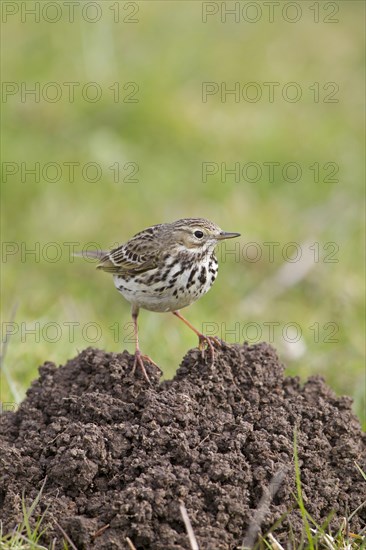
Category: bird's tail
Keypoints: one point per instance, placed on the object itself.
(94, 254)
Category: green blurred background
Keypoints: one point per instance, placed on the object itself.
(167, 50)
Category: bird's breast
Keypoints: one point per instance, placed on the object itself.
(176, 283)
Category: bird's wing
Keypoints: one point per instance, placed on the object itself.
(135, 256)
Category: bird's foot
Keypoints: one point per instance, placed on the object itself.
(139, 361)
(208, 343)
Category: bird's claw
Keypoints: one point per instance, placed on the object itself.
(207, 343)
(139, 361)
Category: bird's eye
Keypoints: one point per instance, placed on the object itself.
(198, 234)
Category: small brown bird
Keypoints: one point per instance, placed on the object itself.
(167, 267)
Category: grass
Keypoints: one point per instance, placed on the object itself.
(300, 501)
(25, 536)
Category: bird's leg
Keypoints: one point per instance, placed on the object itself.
(202, 339)
(139, 358)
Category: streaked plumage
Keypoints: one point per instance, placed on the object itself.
(166, 267)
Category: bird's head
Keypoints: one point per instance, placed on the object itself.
(197, 234)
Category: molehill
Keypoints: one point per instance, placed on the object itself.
(117, 457)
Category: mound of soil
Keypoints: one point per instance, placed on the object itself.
(119, 456)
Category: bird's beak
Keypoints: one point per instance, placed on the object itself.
(225, 235)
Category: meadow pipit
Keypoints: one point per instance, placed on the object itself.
(167, 267)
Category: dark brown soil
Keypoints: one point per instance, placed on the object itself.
(118, 453)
